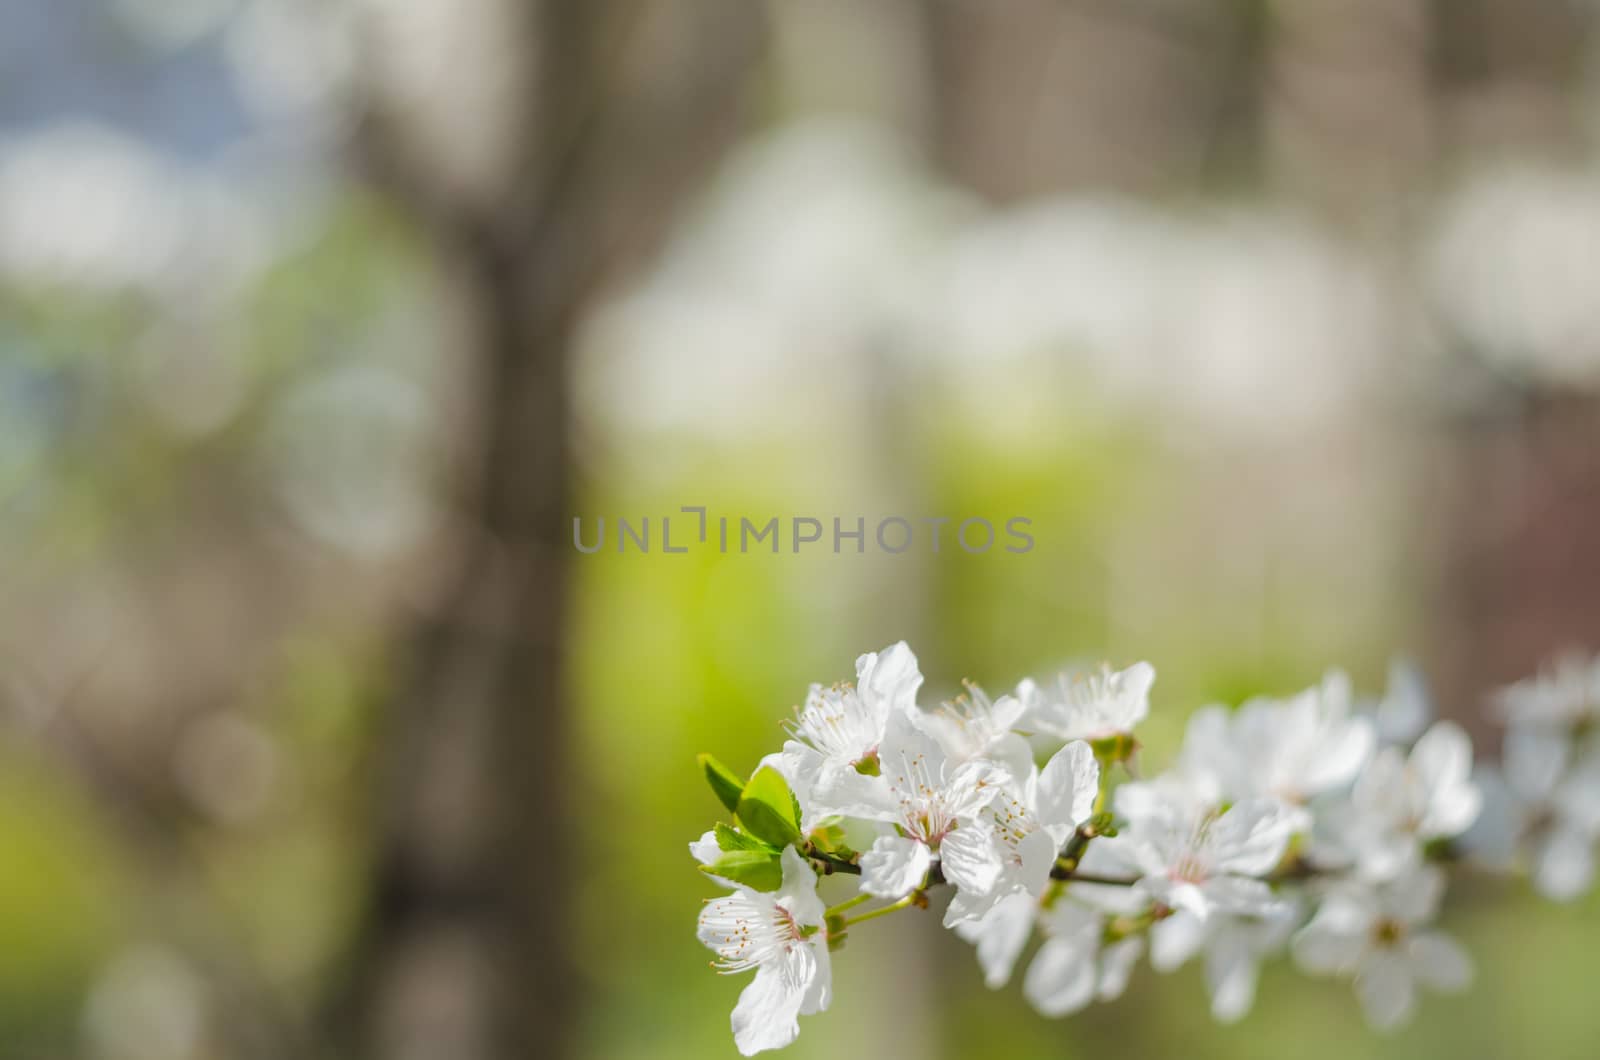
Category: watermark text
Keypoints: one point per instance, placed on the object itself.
(693, 527)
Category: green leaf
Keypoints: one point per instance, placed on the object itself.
(761, 870)
(729, 838)
(724, 782)
(768, 809)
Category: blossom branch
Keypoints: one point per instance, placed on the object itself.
(1205, 852)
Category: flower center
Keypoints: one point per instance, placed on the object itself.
(836, 722)
(924, 809)
(1193, 863)
(1388, 932)
(747, 936)
(1190, 868)
(1011, 823)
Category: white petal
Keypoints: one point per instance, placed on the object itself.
(1382, 789)
(721, 920)
(1112, 900)
(954, 734)
(970, 859)
(1071, 917)
(888, 680)
(1443, 756)
(1563, 864)
(1451, 811)
(894, 867)
(765, 1017)
(973, 785)
(904, 744)
(1176, 939)
(1385, 855)
(1322, 950)
(1062, 978)
(1034, 704)
(819, 992)
(1134, 692)
(1147, 801)
(1013, 754)
(1386, 990)
(966, 908)
(1251, 837)
(1154, 844)
(1577, 797)
(1116, 855)
(1038, 853)
(1208, 738)
(1116, 966)
(798, 892)
(800, 765)
(1231, 973)
(1006, 712)
(1000, 936)
(1334, 693)
(1175, 894)
(705, 849)
(1533, 760)
(840, 790)
(1494, 837)
(1406, 706)
(1439, 961)
(1067, 788)
(1414, 898)
(1238, 894)
(1340, 753)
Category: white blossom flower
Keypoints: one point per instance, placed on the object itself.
(782, 936)
(1204, 861)
(1399, 803)
(1004, 927)
(1406, 707)
(934, 803)
(1548, 807)
(1076, 965)
(1232, 948)
(1198, 865)
(1291, 750)
(1563, 696)
(1089, 706)
(1562, 839)
(974, 726)
(1032, 820)
(835, 737)
(1000, 934)
(1379, 935)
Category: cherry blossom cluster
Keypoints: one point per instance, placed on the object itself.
(1318, 826)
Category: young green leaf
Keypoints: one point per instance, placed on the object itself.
(768, 809)
(761, 870)
(729, 838)
(724, 782)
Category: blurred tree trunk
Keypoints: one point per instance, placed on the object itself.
(1520, 576)
(1038, 97)
(465, 945)
(1514, 566)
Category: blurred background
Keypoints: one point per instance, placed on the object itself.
(321, 319)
